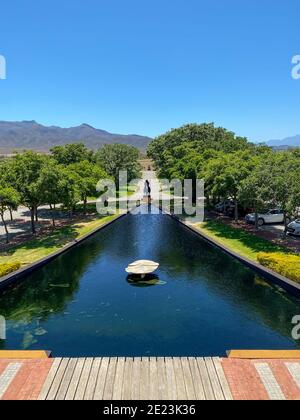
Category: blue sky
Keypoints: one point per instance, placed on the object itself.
(145, 66)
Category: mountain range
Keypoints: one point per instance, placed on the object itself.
(32, 135)
(286, 143)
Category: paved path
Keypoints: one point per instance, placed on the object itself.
(149, 379)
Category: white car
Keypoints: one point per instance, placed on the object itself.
(294, 228)
(273, 216)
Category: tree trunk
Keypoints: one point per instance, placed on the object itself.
(32, 214)
(236, 210)
(5, 228)
(36, 214)
(52, 216)
(11, 215)
(256, 219)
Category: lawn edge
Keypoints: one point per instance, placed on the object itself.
(273, 277)
(18, 275)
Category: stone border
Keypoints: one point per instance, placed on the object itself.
(18, 275)
(270, 275)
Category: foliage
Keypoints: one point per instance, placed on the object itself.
(9, 267)
(114, 158)
(9, 200)
(287, 265)
(88, 175)
(71, 153)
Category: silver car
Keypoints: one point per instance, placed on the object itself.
(272, 216)
(294, 228)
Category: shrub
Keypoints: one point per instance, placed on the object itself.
(287, 265)
(7, 268)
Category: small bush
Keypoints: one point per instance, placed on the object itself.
(287, 265)
(7, 268)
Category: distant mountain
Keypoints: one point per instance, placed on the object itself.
(31, 135)
(286, 143)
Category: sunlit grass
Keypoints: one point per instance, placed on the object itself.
(244, 243)
(36, 249)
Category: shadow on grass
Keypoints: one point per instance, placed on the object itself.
(58, 237)
(249, 240)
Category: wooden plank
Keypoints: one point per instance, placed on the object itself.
(170, 377)
(135, 384)
(198, 385)
(57, 380)
(222, 379)
(24, 354)
(110, 379)
(126, 388)
(214, 379)
(99, 390)
(91, 385)
(75, 379)
(118, 385)
(264, 354)
(65, 383)
(50, 377)
(209, 393)
(153, 378)
(144, 378)
(162, 379)
(180, 384)
(82, 384)
(188, 379)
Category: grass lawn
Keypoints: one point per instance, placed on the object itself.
(244, 243)
(35, 249)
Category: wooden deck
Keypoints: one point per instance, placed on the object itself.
(136, 379)
(162, 378)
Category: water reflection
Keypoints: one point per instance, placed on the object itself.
(81, 304)
(147, 281)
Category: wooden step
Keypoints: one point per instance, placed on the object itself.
(24, 354)
(263, 354)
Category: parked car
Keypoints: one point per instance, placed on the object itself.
(294, 228)
(223, 206)
(272, 216)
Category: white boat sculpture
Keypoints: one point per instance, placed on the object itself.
(142, 267)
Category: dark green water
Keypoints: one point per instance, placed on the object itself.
(205, 303)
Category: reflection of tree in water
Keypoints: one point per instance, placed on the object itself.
(49, 290)
(187, 254)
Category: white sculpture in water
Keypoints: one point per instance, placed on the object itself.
(142, 267)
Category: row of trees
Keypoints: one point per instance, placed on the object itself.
(251, 175)
(67, 175)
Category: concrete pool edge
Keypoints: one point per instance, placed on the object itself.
(18, 275)
(285, 283)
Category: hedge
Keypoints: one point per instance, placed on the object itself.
(287, 265)
(7, 268)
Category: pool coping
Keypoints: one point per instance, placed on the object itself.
(273, 277)
(18, 275)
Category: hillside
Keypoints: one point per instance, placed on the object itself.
(31, 135)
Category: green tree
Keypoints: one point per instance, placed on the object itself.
(51, 180)
(114, 158)
(70, 192)
(26, 169)
(226, 173)
(88, 175)
(9, 198)
(71, 153)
